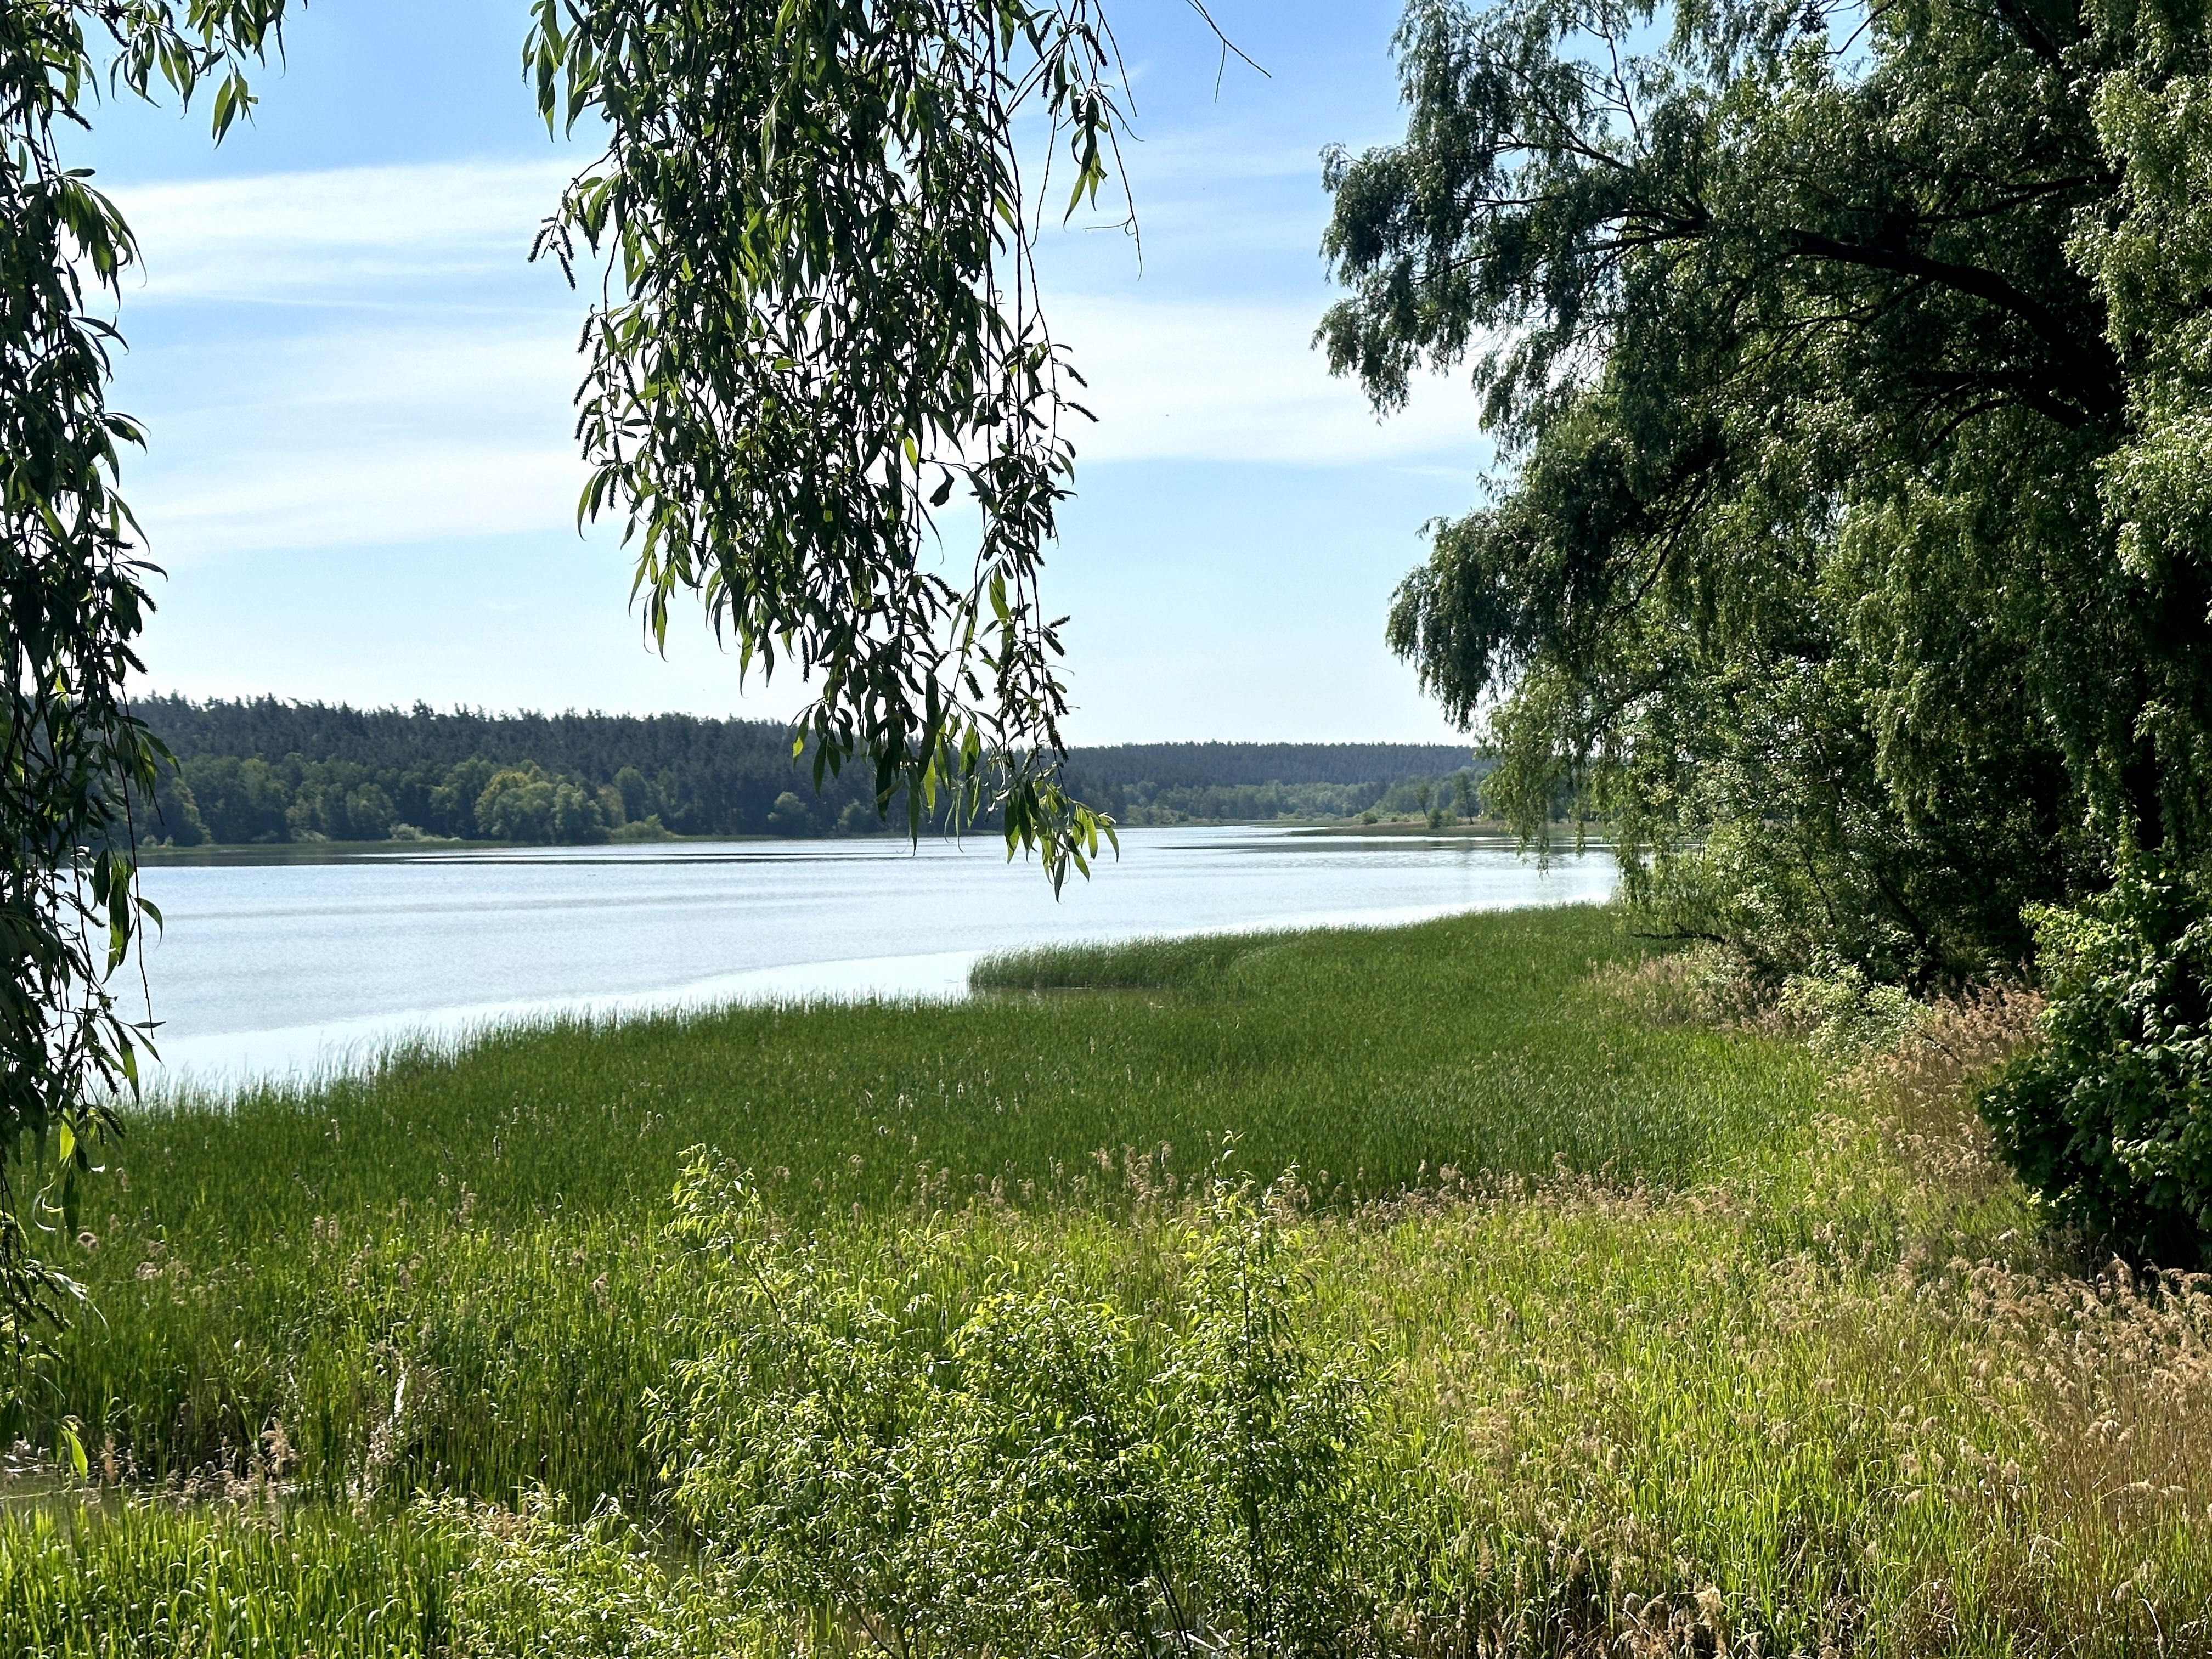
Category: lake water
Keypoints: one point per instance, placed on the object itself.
(301, 965)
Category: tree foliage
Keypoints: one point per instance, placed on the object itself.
(262, 771)
(2106, 1117)
(818, 324)
(75, 602)
(1849, 364)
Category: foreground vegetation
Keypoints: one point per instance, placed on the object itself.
(1576, 1322)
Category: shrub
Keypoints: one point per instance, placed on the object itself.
(789, 815)
(1844, 1015)
(1282, 1533)
(1013, 1469)
(534, 1585)
(2110, 1117)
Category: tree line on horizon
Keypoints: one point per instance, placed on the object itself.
(264, 772)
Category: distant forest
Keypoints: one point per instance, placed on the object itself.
(263, 772)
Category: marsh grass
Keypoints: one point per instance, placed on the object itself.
(1677, 1338)
(1206, 963)
(154, 1580)
(449, 1270)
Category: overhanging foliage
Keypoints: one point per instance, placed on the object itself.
(75, 601)
(819, 324)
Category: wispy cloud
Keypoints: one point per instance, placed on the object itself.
(411, 386)
(333, 236)
(400, 494)
(1233, 382)
(342, 422)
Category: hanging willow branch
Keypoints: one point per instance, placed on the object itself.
(819, 334)
(72, 754)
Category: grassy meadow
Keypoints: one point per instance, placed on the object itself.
(1666, 1337)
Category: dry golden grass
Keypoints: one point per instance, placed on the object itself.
(1973, 1443)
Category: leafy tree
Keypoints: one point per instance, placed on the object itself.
(240, 800)
(369, 813)
(577, 817)
(524, 803)
(517, 804)
(72, 756)
(453, 803)
(789, 817)
(1850, 368)
(175, 815)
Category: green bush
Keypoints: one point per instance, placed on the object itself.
(1843, 1014)
(868, 1444)
(2110, 1118)
(789, 815)
(535, 1585)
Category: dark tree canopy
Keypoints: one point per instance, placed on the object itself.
(266, 771)
(1850, 366)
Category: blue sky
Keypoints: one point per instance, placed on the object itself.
(361, 480)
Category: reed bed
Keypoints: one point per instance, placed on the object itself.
(475, 1235)
(159, 1581)
(1678, 1336)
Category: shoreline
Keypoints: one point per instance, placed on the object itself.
(322, 852)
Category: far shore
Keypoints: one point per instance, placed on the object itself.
(312, 852)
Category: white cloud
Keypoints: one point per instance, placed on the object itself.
(345, 358)
(448, 413)
(440, 429)
(399, 493)
(338, 235)
(1230, 380)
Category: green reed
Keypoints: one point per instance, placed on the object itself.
(1676, 1342)
(480, 1225)
(154, 1582)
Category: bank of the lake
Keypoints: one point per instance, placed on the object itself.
(1667, 1338)
(1450, 830)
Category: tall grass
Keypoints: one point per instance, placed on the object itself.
(1477, 1041)
(150, 1582)
(1676, 1338)
(449, 1270)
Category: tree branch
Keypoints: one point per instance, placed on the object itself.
(2098, 372)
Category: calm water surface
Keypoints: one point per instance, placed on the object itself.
(276, 966)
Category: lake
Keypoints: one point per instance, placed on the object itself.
(289, 964)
